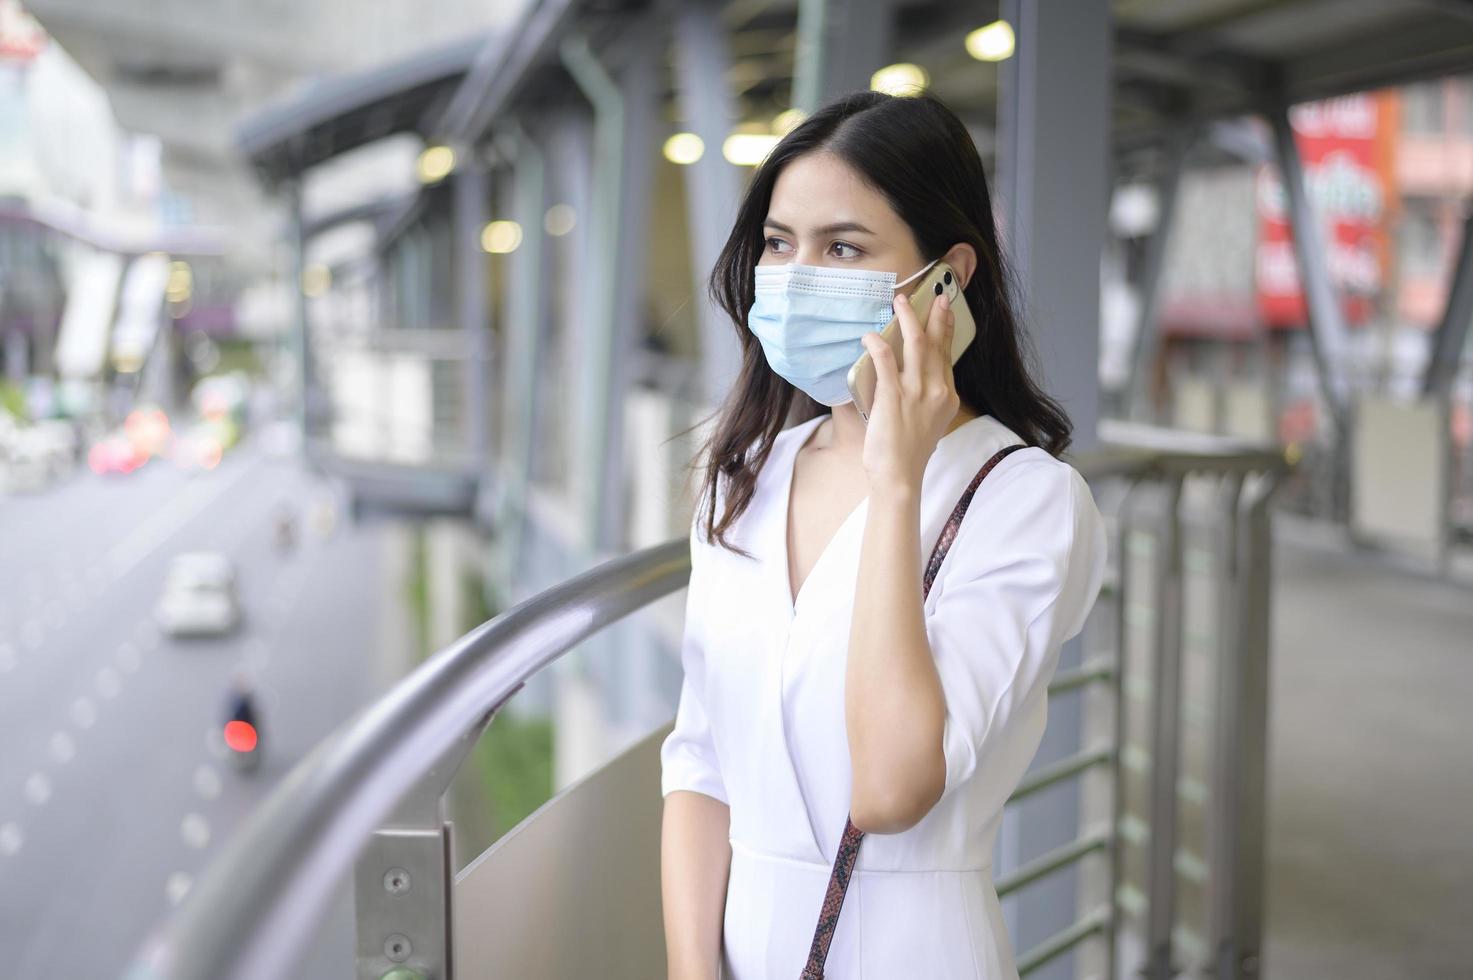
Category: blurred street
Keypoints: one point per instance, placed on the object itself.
(113, 790)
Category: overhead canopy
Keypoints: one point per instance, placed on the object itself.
(335, 115)
(1174, 60)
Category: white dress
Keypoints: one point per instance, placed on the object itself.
(760, 722)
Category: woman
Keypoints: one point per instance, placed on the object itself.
(819, 685)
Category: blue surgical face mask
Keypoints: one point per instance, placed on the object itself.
(810, 320)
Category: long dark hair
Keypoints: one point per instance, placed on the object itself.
(916, 152)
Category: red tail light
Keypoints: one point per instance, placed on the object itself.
(240, 736)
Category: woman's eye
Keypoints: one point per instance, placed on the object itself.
(773, 245)
(848, 246)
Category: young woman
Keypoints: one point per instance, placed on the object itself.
(819, 687)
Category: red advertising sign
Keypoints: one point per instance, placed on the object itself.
(21, 38)
(1337, 141)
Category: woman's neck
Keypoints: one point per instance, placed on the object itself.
(844, 430)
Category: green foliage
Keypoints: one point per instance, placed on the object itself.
(13, 400)
(515, 756)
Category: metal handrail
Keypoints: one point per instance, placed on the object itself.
(260, 901)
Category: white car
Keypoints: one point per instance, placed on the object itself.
(199, 596)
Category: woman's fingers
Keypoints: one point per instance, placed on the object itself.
(887, 380)
(913, 352)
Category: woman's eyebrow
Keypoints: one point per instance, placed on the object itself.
(833, 229)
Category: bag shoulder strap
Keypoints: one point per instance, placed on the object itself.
(833, 899)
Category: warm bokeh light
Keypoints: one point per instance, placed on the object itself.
(684, 148)
(993, 42)
(434, 164)
(900, 79)
(181, 282)
(748, 149)
(316, 279)
(501, 237)
(788, 120)
(559, 220)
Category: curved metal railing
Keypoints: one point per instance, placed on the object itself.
(259, 902)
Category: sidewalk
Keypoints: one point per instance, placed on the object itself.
(1370, 820)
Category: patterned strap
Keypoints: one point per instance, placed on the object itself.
(833, 899)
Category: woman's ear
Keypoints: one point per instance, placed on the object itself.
(963, 258)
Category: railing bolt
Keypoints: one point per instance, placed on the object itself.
(397, 948)
(396, 882)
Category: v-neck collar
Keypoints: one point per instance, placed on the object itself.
(949, 462)
(803, 431)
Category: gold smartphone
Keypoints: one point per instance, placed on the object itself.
(942, 279)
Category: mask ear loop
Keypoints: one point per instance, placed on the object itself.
(912, 278)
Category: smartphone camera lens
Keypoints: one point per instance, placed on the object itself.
(938, 289)
(947, 277)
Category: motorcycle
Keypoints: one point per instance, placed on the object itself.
(242, 733)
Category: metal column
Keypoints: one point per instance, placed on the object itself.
(712, 185)
(841, 43)
(623, 119)
(526, 287)
(1147, 338)
(1326, 319)
(1053, 187)
(469, 200)
(1052, 177)
(299, 293)
(1452, 332)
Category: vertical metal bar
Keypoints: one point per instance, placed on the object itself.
(1326, 319)
(299, 294)
(841, 43)
(623, 108)
(1165, 739)
(1226, 720)
(527, 291)
(1053, 163)
(469, 200)
(1452, 332)
(1147, 339)
(1117, 766)
(712, 185)
(1239, 949)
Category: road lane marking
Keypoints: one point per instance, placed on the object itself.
(195, 830)
(177, 887)
(84, 714)
(63, 748)
(11, 839)
(38, 788)
(170, 519)
(207, 782)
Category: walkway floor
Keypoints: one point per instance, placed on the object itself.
(1371, 769)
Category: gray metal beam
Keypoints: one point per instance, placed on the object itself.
(1052, 183)
(501, 67)
(1326, 319)
(712, 185)
(1147, 339)
(469, 202)
(527, 290)
(841, 43)
(1053, 186)
(624, 107)
(1452, 332)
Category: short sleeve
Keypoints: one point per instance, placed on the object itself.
(1024, 571)
(688, 757)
